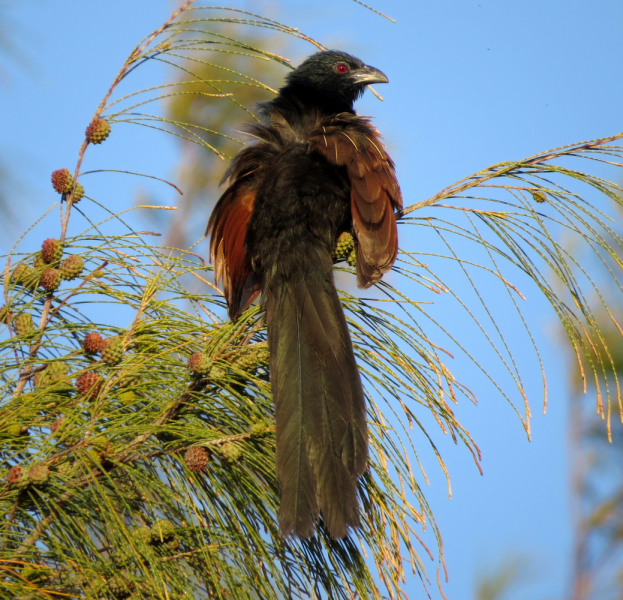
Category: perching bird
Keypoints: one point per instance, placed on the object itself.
(317, 170)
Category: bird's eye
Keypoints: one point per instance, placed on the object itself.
(342, 68)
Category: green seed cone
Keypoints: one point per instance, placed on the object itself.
(252, 357)
(66, 470)
(39, 263)
(71, 267)
(54, 373)
(142, 534)
(23, 324)
(120, 586)
(352, 257)
(92, 456)
(122, 557)
(230, 452)
(97, 130)
(128, 398)
(38, 474)
(78, 193)
(99, 443)
(200, 364)
(217, 374)
(128, 379)
(6, 316)
(162, 531)
(26, 276)
(112, 353)
(258, 429)
(344, 246)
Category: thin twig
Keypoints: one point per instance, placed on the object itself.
(502, 169)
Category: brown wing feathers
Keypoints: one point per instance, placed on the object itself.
(227, 229)
(351, 141)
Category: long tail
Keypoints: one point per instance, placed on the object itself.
(322, 438)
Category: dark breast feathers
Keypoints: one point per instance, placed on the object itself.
(342, 160)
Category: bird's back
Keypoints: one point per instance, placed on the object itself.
(301, 201)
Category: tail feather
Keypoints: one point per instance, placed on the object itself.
(289, 379)
(319, 401)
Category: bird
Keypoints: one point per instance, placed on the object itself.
(315, 171)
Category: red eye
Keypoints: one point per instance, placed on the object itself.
(342, 68)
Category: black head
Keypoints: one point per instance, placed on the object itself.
(332, 77)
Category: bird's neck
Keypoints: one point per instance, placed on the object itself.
(294, 101)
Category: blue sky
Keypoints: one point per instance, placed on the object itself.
(471, 84)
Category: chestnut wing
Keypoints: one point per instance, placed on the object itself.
(351, 141)
(227, 229)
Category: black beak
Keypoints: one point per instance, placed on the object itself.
(367, 75)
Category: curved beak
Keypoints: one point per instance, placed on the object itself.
(367, 75)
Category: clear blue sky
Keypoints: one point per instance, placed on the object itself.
(472, 83)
